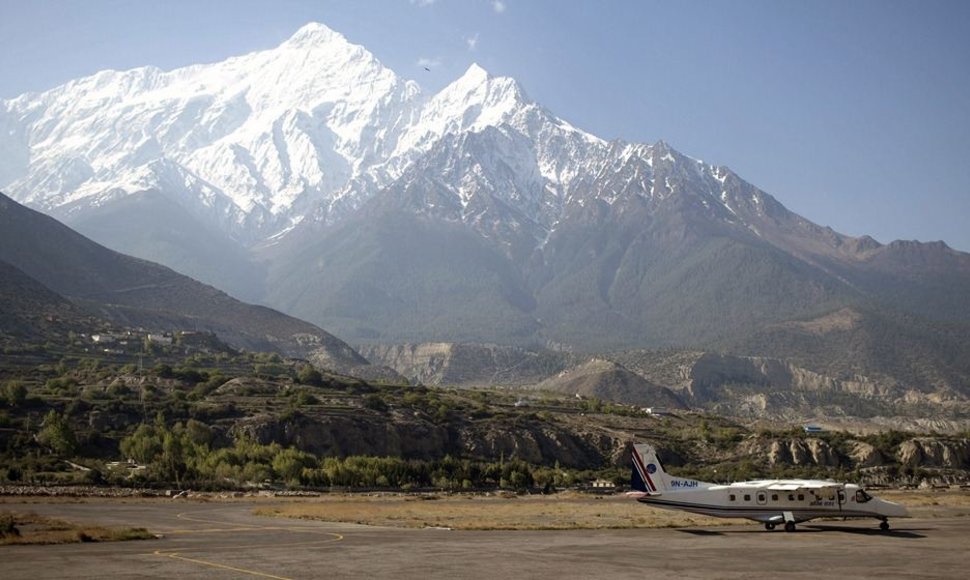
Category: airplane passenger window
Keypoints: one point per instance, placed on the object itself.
(791, 497)
(774, 497)
(747, 497)
(731, 497)
(801, 497)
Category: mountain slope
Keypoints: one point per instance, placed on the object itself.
(372, 278)
(139, 293)
(32, 313)
(151, 226)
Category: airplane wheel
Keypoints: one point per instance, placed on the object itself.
(769, 526)
(884, 526)
(789, 526)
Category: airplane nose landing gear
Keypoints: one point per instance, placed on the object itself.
(884, 525)
(769, 526)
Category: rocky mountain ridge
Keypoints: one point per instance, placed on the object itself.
(737, 386)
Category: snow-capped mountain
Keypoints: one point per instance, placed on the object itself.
(314, 179)
(251, 143)
(254, 138)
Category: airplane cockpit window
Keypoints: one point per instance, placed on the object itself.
(862, 497)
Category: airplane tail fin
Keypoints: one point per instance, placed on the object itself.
(648, 473)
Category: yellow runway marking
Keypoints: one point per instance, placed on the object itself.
(176, 554)
(239, 529)
(186, 516)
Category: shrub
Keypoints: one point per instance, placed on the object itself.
(304, 398)
(270, 370)
(65, 384)
(118, 389)
(8, 525)
(374, 403)
(14, 393)
(310, 376)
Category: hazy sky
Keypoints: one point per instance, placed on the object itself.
(853, 113)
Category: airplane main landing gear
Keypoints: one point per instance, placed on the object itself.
(769, 526)
(789, 526)
(884, 525)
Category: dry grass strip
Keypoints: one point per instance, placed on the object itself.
(30, 528)
(562, 511)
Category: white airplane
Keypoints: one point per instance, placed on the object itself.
(772, 501)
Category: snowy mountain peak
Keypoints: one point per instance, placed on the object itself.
(475, 75)
(478, 84)
(472, 102)
(254, 143)
(314, 33)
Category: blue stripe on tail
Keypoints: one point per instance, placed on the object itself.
(636, 482)
(639, 480)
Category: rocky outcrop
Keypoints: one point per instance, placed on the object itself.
(348, 434)
(864, 455)
(920, 452)
(414, 437)
(943, 453)
(247, 386)
(536, 443)
(324, 360)
(759, 387)
(448, 363)
(712, 371)
(801, 452)
(609, 381)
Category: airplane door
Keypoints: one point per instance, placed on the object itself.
(762, 498)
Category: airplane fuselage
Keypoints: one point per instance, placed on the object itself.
(770, 501)
(756, 500)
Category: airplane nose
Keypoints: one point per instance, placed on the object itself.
(896, 510)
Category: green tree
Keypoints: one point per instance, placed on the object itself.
(290, 463)
(144, 445)
(198, 432)
(172, 463)
(310, 376)
(14, 393)
(57, 435)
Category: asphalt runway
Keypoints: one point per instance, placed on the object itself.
(224, 540)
